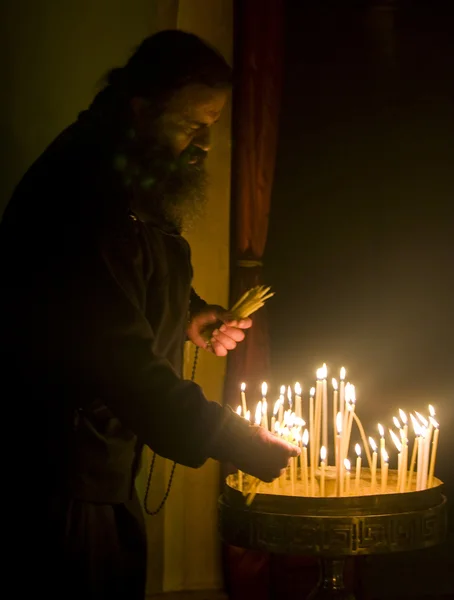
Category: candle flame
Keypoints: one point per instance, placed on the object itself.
(385, 455)
(323, 453)
(431, 410)
(289, 395)
(258, 413)
(358, 449)
(248, 415)
(403, 416)
(298, 389)
(396, 440)
(434, 423)
(305, 437)
(348, 386)
(339, 423)
(264, 388)
(238, 411)
(343, 373)
(312, 392)
(347, 464)
(282, 390)
(416, 426)
(243, 387)
(423, 420)
(277, 427)
(299, 422)
(334, 382)
(381, 430)
(277, 404)
(372, 443)
(396, 422)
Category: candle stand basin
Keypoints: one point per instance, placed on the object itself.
(333, 528)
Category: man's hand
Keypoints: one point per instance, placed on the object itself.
(226, 335)
(266, 455)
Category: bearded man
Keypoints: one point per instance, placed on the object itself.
(96, 306)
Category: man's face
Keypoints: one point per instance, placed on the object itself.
(173, 148)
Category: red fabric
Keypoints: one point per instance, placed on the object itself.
(258, 68)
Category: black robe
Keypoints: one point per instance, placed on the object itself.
(94, 306)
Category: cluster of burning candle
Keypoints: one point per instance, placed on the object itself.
(415, 470)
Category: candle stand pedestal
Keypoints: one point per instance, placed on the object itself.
(333, 528)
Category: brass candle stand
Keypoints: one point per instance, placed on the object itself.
(333, 528)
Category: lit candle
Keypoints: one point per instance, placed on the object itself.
(264, 405)
(325, 411)
(335, 409)
(398, 426)
(318, 411)
(273, 418)
(404, 466)
(358, 469)
(384, 471)
(248, 415)
(398, 445)
(338, 451)
(403, 418)
(289, 398)
(347, 467)
(322, 470)
(422, 419)
(243, 398)
(298, 403)
(258, 413)
(433, 455)
(421, 440)
(417, 430)
(351, 412)
(381, 431)
(304, 474)
(425, 460)
(240, 473)
(346, 418)
(311, 429)
(342, 375)
(281, 407)
(373, 475)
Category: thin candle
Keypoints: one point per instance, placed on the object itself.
(384, 471)
(318, 412)
(298, 402)
(325, 410)
(421, 439)
(347, 467)
(240, 473)
(425, 460)
(338, 451)
(289, 398)
(398, 445)
(373, 475)
(264, 405)
(311, 429)
(335, 409)
(275, 412)
(417, 430)
(304, 473)
(258, 413)
(342, 375)
(243, 397)
(281, 407)
(433, 456)
(322, 470)
(358, 469)
(351, 412)
(381, 431)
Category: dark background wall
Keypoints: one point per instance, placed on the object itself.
(361, 243)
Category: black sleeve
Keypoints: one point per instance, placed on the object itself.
(196, 303)
(105, 343)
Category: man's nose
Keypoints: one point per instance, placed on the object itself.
(203, 140)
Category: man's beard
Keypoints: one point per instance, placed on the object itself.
(165, 187)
